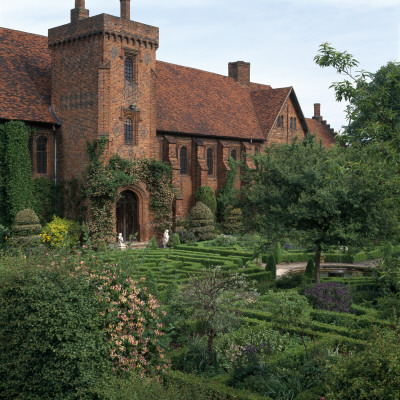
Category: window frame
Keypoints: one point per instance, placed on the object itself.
(210, 160)
(183, 161)
(41, 155)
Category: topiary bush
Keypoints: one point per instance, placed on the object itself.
(206, 195)
(331, 296)
(233, 220)
(26, 230)
(61, 232)
(201, 222)
(26, 223)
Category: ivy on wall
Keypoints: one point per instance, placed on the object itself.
(103, 181)
(15, 167)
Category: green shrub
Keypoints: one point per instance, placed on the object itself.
(187, 237)
(201, 221)
(47, 199)
(271, 265)
(233, 220)
(26, 223)
(176, 241)
(277, 251)
(389, 306)
(52, 346)
(206, 195)
(61, 232)
(152, 244)
(373, 373)
(225, 241)
(310, 269)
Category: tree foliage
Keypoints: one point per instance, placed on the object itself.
(211, 296)
(322, 197)
(373, 112)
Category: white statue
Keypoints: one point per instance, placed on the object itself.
(165, 239)
(121, 243)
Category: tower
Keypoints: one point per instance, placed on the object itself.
(103, 84)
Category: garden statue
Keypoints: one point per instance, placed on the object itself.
(121, 243)
(165, 239)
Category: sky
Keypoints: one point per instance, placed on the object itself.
(280, 38)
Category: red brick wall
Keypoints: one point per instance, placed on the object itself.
(285, 134)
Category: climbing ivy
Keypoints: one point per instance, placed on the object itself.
(15, 167)
(227, 196)
(103, 181)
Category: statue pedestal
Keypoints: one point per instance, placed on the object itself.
(122, 246)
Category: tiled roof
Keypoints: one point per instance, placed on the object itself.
(189, 101)
(25, 77)
(322, 131)
(267, 104)
(198, 102)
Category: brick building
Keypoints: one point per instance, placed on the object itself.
(99, 76)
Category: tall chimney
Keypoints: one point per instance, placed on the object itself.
(79, 12)
(317, 110)
(125, 9)
(240, 72)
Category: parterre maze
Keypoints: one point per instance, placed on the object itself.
(328, 329)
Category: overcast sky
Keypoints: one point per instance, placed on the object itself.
(278, 37)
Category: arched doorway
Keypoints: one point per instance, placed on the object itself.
(127, 213)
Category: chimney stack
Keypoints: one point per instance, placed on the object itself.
(317, 110)
(79, 12)
(126, 9)
(240, 72)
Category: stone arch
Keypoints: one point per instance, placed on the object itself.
(132, 212)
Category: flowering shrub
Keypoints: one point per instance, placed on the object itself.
(131, 322)
(331, 296)
(61, 232)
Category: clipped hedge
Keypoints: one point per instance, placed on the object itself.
(211, 387)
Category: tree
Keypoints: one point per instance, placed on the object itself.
(373, 112)
(322, 197)
(211, 296)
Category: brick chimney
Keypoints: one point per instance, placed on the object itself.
(125, 9)
(317, 112)
(79, 12)
(240, 72)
